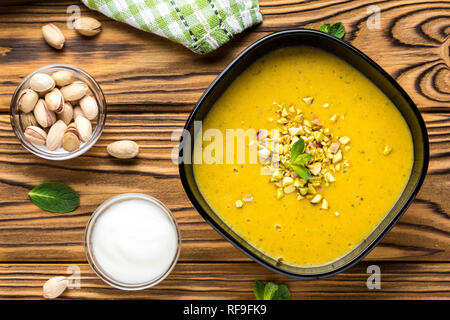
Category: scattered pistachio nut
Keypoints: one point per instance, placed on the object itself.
(67, 113)
(27, 119)
(87, 26)
(54, 287)
(387, 150)
(42, 82)
(124, 149)
(27, 100)
(63, 78)
(44, 117)
(239, 204)
(55, 135)
(84, 127)
(35, 135)
(74, 91)
(55, 100)
(71, 139)
(53, 36)
(89, 106)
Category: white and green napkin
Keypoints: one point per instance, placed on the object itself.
(200, 25)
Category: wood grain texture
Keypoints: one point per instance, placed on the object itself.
(151, 86)
(209, 281)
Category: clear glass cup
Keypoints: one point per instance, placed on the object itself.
(61, 154)
(101, 273)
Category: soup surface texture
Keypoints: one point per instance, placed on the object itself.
(297, 231)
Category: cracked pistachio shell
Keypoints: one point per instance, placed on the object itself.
(67, 113)
(124, 149)
(55, 101)
(41, 83)
(55, 135)
(87, 26)
(89, 106)
(71, 139)
(43, 116)
(53, 36)
(28, 119)
(35, 135)
(27, 100)
(54, 287)
(74, 91)
(63, 78)
(84, 127)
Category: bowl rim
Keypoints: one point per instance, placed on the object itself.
(100, 123)
(392, 222)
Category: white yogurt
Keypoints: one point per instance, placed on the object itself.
(134, 241)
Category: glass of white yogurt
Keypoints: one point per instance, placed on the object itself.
(132, 241)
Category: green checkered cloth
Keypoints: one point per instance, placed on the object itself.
(200, 25)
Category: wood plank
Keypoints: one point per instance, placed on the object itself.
(29, 234)
(411, 44)
(235, 281)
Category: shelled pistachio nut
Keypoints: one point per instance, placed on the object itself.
(74, 91)
(43, 116)
(67, 113)
(27, 100)
(42, 82)
(87, 26)
(55, 135)
(55, 101)
(27, 119)
(77, 112)
(53, 36)
(63, 78)
(84, 127)
(54, 287)
(71, 139)
(124, 149)
(35, 135)
(89, 106)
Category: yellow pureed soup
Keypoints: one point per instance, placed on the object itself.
(378, 158)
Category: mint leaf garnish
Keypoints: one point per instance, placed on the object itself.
(271, 291)
(337, 30)
(299, 159)
(54, 197)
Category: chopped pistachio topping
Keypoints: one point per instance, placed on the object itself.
(324, 151)
(239, 204)
(387, 150)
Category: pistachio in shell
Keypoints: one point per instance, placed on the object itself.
(55, 135)
(42, 82)
(27, 119)
(71, 139)
(55, 100)
(35, 135)
(87, 26)
(67, 113)
(123, 149)
(89, 106)
(27, 100)
(84, 127)
(74, 91)
(63, 77)
(53, 36)
(44, 117)
(54, 287)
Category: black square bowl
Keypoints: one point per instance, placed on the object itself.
(374, 73)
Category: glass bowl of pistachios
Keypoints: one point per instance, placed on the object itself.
(58, 112)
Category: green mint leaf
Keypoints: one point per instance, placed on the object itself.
(258, 290)
(337, 30)
(282, 293)
(325, 27)
(270, 290)
(297, 148)
(301, 171)
(54, 197)
(301, 159)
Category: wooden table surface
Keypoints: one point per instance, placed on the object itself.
(151, 85)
